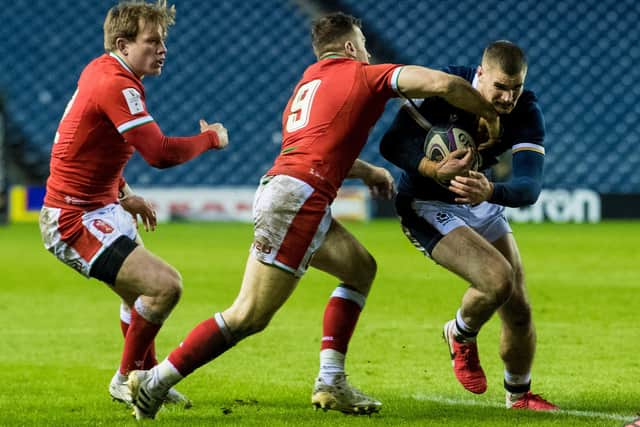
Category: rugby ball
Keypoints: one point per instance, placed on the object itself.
(441, 141)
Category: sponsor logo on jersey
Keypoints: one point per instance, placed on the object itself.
(134, 100)
(102, 226)
(75, 201)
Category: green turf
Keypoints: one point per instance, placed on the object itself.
(60, 341)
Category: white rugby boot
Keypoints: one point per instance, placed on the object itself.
(119, 390)
(343, 397)
(146, 402)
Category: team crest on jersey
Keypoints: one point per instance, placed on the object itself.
(102, 226)
(444, 217)
(134, 100)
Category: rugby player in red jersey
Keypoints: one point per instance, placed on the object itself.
(89, 218)
(325, 125)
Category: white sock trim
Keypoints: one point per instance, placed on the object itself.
(226, 333)
(349, 294)
(146, 313)
(333, 357)
(517, 379)
(331, 365)
(120, 378)
(461, 323)
(165, 375)
(125, 313)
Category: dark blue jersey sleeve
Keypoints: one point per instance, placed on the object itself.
(526, 181)
(402, 143)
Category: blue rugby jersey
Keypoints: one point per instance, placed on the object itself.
(523, 133)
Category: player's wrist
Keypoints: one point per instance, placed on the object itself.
(428, 168)
(124, 192)
(491, 187)
(214, 139)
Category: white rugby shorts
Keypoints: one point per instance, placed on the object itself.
(78, 238)
(291, 221)
(425, 222)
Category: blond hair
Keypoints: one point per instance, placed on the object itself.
(124, 20)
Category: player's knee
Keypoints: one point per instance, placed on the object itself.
(363, 274)
(518, 313)
(250, 326)
(503, 284)
(370, 269)
(170, 289)
(246, 321)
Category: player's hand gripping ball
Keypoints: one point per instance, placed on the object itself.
(440, 141)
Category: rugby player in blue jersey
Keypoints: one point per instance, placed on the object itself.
(455, 215)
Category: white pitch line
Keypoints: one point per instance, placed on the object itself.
(468, 402)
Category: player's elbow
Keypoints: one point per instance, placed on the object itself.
(160, 163)
(530, 193)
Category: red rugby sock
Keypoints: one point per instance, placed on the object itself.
(150, 359)
(137, 342)
(203, 344)
(340, 318)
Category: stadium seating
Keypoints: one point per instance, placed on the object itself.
(236, 62)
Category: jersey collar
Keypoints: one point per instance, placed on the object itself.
(121, 61)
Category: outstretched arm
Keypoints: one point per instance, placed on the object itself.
(422, 82)
(161, 151)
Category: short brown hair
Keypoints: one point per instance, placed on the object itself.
(507, 55)
(329, 32)
(123, 20)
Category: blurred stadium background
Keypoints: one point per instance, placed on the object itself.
(237, 62)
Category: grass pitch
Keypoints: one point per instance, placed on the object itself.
(60, 341)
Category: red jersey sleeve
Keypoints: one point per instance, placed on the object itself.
(122, 100)
(162, 152)
(383, 79)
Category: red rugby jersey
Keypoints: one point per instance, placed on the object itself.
(103, 124)
(328, 119)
